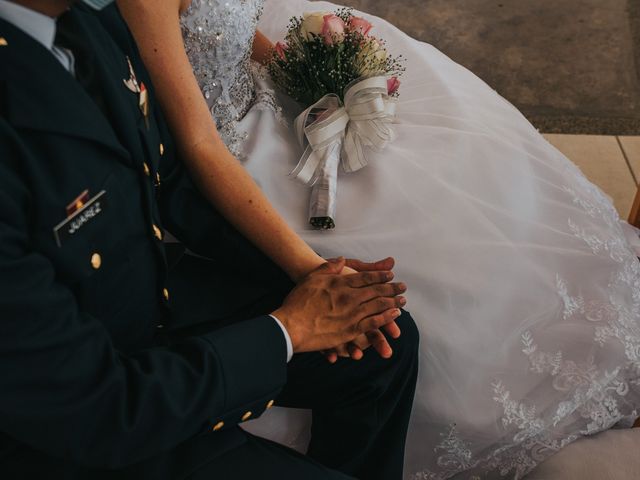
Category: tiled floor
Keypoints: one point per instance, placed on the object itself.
(612, 163)
(568, 65)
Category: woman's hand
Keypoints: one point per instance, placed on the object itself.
(345, 271)
(348, 271)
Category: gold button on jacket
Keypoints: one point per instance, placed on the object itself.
(157, 232)
(96, 261)
(218, 426)
(246, 416)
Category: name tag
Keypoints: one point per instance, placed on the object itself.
(72, 225)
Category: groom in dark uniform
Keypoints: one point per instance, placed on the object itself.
(120, 355)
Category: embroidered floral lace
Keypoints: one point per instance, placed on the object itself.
(595, 398)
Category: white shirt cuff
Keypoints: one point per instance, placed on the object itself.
(287, 338)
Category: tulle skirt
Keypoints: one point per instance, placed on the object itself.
(521, 276)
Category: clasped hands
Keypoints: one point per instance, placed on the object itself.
(341, 307)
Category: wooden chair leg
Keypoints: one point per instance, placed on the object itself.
(634, 216)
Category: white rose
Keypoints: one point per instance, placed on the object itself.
(379, 52)
(312, 24)
(372, 58)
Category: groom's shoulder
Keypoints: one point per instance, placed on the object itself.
(16, 48)
(109, 21)
(115, 25)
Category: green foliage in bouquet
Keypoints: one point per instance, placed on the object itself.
(325, 52)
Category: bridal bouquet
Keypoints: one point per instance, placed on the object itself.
(345, 77)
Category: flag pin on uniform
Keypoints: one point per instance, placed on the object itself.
(139, 88)
(78, 203)
(143, 103)
(3, 42)
(132, 82)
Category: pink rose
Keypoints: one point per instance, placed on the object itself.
(360, 25)
(393, 84)
(281, 50)
(333, 29)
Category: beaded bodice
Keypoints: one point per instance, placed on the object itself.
(218, 37)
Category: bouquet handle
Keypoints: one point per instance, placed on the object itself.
(322, 205)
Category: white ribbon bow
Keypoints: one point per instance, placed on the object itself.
(334, 134)
(365, 119)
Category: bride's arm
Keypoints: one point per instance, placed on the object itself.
(156, 28)
(262, 48)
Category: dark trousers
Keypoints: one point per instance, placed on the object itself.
(361, 409)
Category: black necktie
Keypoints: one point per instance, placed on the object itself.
(69, 36)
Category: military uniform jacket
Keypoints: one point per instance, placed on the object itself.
(87, 383)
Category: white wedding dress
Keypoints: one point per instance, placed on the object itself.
(522, 278)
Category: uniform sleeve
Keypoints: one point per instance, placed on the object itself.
(65, 389)
(188, 215)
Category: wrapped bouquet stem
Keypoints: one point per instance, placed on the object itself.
(330, 62)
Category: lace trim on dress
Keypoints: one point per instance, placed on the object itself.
(596, 399)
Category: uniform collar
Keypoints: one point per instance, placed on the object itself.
(28, 101)
(38, 26)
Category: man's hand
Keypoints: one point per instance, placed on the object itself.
(355, 350)
(328, 309)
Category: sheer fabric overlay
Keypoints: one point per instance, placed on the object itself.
(522, 279)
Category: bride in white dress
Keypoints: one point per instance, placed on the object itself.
(522, 279)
